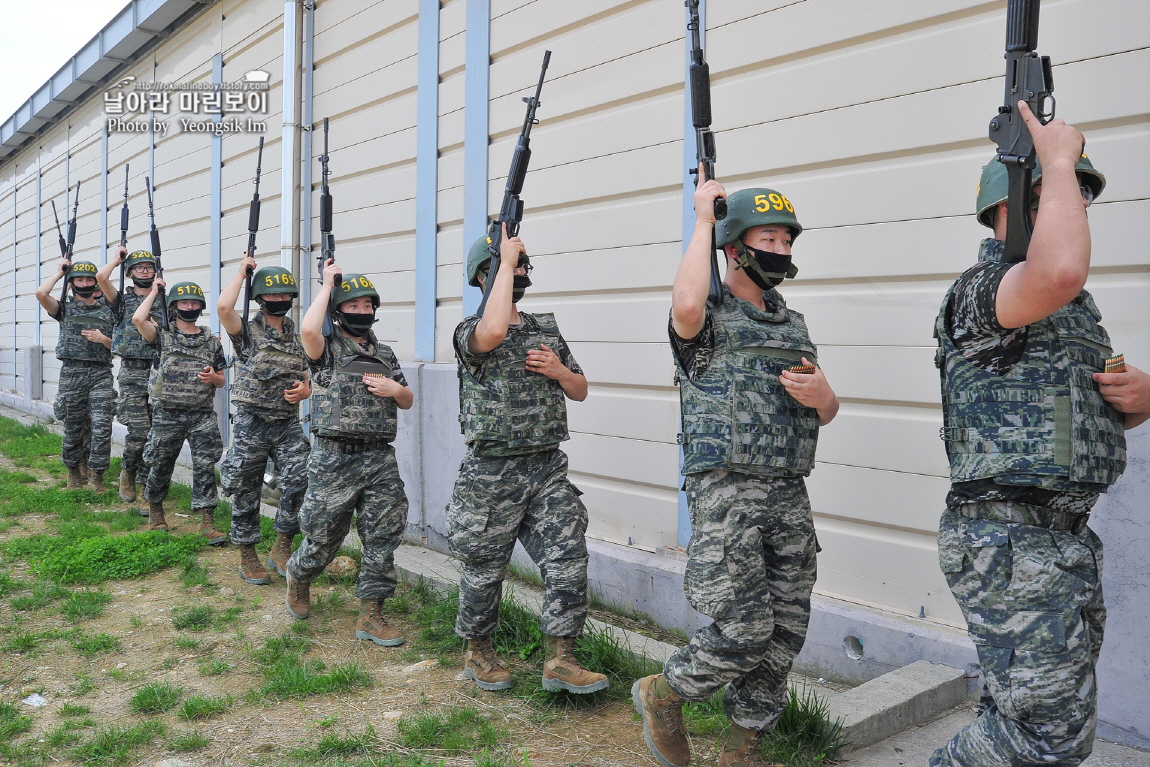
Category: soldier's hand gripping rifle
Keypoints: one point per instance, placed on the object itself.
(155, 236)
(124, 228)
(67, 245)
(326, 238)
(700, 74)
(253, 227)
(511, 211)
(1028, 78)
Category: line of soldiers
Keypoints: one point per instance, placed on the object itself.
(1033, 429)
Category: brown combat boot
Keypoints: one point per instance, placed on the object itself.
(481, 666)
(75, 480)
(127, 486)
(209, 531)
(280, 553)
(662, 721)
(298, 598)
(563, 671)
(741, 749)
(96, 482)
(156, 519)
(251, 570)
(372, 626)
(84, 471)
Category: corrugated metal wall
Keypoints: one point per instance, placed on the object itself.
(871, 117)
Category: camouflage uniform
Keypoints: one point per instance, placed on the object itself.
(265, 424)
(183, 410)
(513, 481)
(352, 467)
(747, 447)
(1031, 444)
(136, 360)
(85, 398)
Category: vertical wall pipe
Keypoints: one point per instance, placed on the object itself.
(304, 276)
(215, 243)
(15, 277)
(426, 180)
(475, 137)
(104, 193)
(289, 147)
(39, 226)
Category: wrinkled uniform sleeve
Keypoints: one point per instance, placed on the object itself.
(563, 351)
(388, 356)
(973, 320)
(321, 367)
(472, 361)
(242, 341)
(694, 354)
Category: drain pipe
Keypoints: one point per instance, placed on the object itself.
(303, 277)
(289, 145)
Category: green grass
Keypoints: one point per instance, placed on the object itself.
(453, 730)
(8, 584)
(346, 744)
(97, 559)
(295, 677)
(117, 745)
(204, 707)
(155, 698)
(40, 595)
(188, 740)
(33, 447)
(83, 685)
(95, 644)
(214, 667)
(188, 643)
(195, 574)
(85, 605)
(12, 722)
(193, 618)
(71, 709)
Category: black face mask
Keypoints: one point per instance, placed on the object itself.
(84, 292)
(277, 308)
(140, 282)
(357, 325)
(519, 287)
(766, 269)
(190, 315)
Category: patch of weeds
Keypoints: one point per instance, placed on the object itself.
(487, 758)
(136, 621)
(85, 605)
(213, 667)
(453, 730)
(188, 643)
(8, 584)
(125, 675)
(188, 740)
(71, 709)
(706, 719)
(347, 744)
(435, 617)
(94, 560)
(326, 722)
(41, 595)
(82, 686)
(400, 603)
(169, 663)
(12, 722)
(27, 642)
(229, 617)
(117, 745)
(32, 447)
(294, 677)
(195, 574)
(155, 698)
(204, 707)
(275, 648)
(193, 618)
(66, 734)
(94, 644)
(805, 734)
(122, 522)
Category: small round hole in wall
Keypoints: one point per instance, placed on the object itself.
(853, 647)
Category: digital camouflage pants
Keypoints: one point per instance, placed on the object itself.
(751, 567)
(254, 440)
(133, 412)
(85, 403)
(526, 498)
(340, 484)
(169, 430)
(1032, 599)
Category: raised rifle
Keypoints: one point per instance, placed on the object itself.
(253, 227)
(1028, 78)
(124, 228)
(326, 238)
(155, 236)
(700, 74)
(511, 211)
(66, 246)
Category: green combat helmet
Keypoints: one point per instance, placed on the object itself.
(354, 286)
(993, 187)
(272, 280)
(186, 290)
(82, 269)
(477, 257)
(756, 207)
(137, 257)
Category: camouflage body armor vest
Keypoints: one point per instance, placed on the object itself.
(345, 407)
(276, 361)
(126, 339)
(513, 405)
(78, 317)
(176, 384)
(736, 415)
(1043, 424)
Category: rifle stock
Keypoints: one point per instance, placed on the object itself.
(1029, 78)
(511, 210)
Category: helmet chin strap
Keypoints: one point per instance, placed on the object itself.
(764, 279)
